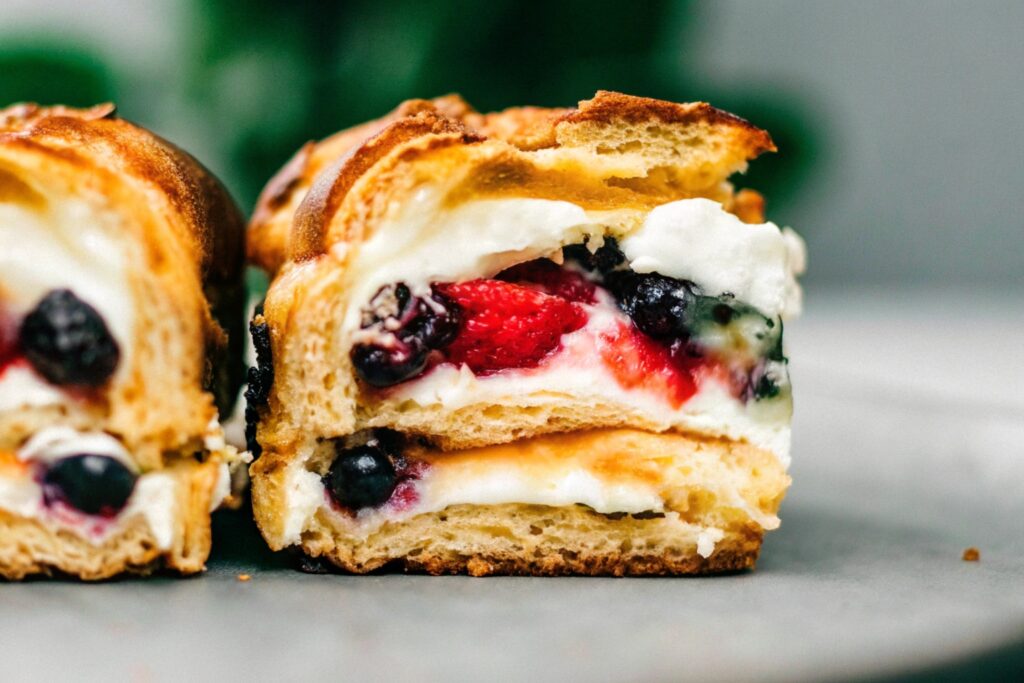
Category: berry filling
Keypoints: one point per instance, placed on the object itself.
(64, 339)
(93, 484)
(507, 325)
(670, 335)
(406, 329)
(67, 341)
(372, 475)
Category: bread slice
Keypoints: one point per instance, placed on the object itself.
(136, 230)
(436, 194)
(717, 497)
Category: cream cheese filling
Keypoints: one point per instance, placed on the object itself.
(64, 244)
(154, 497)
(443, 487)
(424, 241)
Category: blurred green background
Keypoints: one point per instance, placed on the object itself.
(891, 117)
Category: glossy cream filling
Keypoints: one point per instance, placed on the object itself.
(425, 241)
(61, 245)
(155, 497)
(563, 483)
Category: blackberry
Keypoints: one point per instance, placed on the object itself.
(607, 257)
(67, 342)
(660, 307)
(361, 477)
(93, 484)
(410, 328)
(259, 380)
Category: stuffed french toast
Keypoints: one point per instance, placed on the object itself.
(539, 341)
(120, 277)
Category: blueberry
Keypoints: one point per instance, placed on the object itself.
(93, 484)
(361, 477)
(67, 341)
(607, 257)
(410, 328)
(383, 366)
(659, 306)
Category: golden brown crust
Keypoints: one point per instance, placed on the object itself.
(274, 239)
(310, 227)
(736, 553)
(271, 223)
(97, 138)
(607, 107)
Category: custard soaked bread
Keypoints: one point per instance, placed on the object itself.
(541, 341)
(120, 279)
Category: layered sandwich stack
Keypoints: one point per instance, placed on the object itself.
(541, 341)
(120, 274)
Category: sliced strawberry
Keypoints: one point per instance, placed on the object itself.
(548, 277)
(506, 325)
(8, 340)
(639, 362)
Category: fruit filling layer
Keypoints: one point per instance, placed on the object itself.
(84, 482)
(66, 314)
(376, 478)
(651, 332)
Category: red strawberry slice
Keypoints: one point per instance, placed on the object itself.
(505, 325)
(8, 340)
(639, 362)
(548, 277)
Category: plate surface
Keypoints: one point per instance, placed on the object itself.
(909, 448)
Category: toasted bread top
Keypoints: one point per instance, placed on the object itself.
(96, 138)
(613, 149)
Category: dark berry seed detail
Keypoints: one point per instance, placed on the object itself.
(408, 328)
(607, 257)
(361, 477)
(67, 342)
(766, 381)
(259, 380)
(659, 306)
(93, 484)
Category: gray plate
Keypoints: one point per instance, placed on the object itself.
(908, 450)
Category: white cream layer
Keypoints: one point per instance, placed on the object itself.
(64, 244)
(699, 241)
(443, 487)
(21, 387)
(154, 498)
(425, 242)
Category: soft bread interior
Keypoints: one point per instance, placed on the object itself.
(710, 491)
(719, 499)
